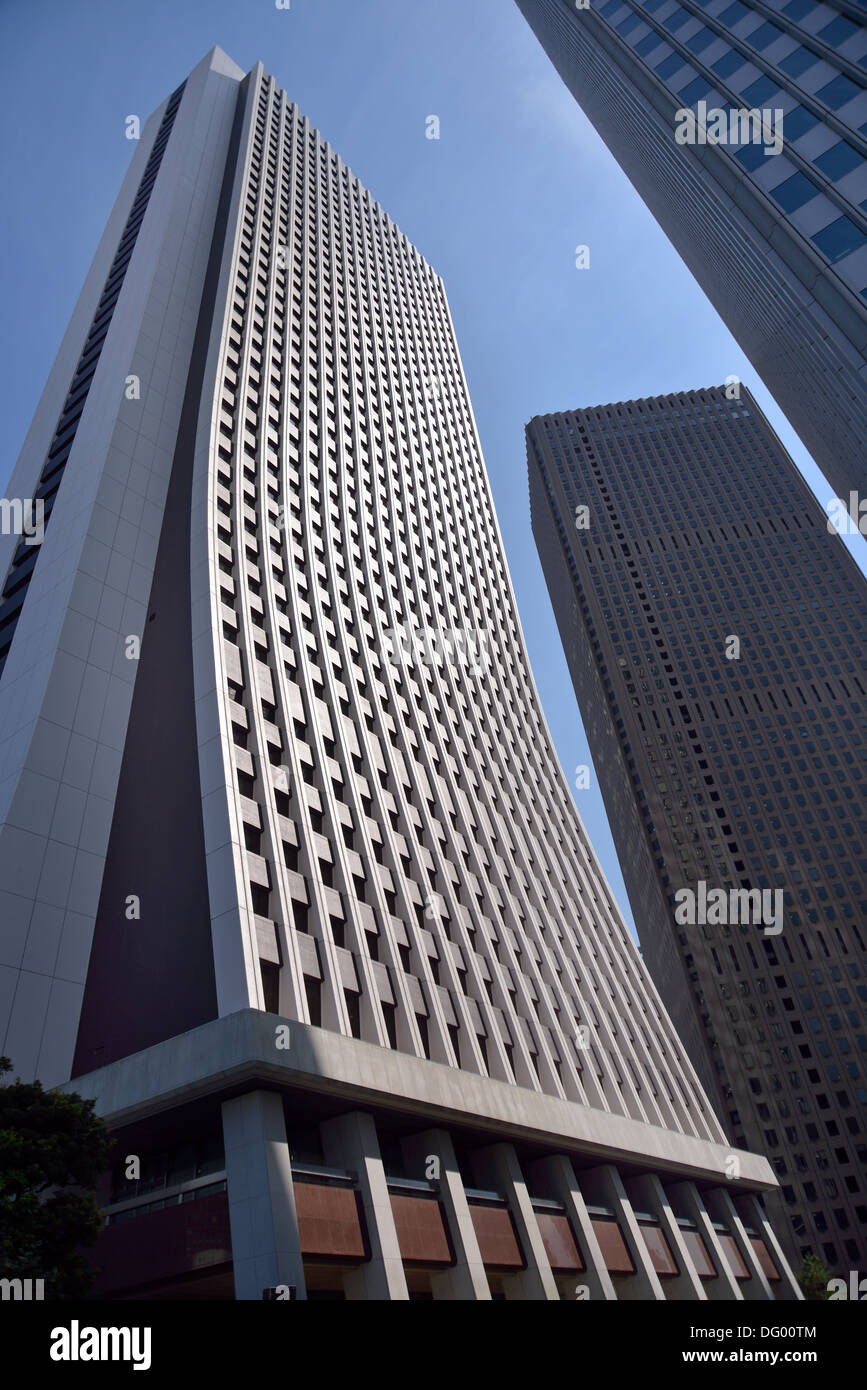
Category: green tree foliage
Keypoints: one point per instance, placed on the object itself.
(813, 1278)
(53, 1149)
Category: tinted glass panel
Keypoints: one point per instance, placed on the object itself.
(797, 122)
(728, 63)
(797, 62)
(838, 31)
(794, 192)
(838, 161)
(759, 91)
(839, 239)
(838, 92)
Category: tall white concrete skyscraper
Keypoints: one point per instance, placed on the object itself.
(762, 188)
(291, 882)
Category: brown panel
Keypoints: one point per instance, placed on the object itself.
(496, 1236)
(559, 1241)
(659, 1250)
(768, 1268)
(613, 1246)
(162, 1245)
(329, 1224)
(421, 1232)
(704, 1266)
(733, 1255)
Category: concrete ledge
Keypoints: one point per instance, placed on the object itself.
(240, 1051)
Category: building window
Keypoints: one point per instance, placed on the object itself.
(839, 239)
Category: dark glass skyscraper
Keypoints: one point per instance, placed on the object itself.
(772, 220)
(714, 630)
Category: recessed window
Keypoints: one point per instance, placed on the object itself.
(839, 240)
(759, 91)
(797, 122)
(838, 31)
(677, 19)
(697, 87)
(734, 13)
(797, 61)
(838, 91)
(647, 44)
(764, 36)
(751, 156)
(628, 24)
(838, 161)
(701, 39)
(793, 193)
(670, 65)
(728, 63)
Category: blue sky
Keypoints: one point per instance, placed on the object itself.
(498, 204)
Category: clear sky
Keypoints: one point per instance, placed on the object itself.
(498, 205)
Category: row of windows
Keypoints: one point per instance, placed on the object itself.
(612, 452)
(308, 524)
(841, 236)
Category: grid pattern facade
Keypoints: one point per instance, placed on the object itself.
(739, 773)
(280, 820)
(407, 865)
(778, 243)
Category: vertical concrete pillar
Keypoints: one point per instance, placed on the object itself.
(467, 1279)
(350, 1142)
(555, 1177)
(750, 1208)
(721, 1208)
(648, 1194)
(266, 1250)
(603, 1186)
(686, 1201)
(497, 1168)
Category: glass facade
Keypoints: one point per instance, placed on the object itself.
(774, 229)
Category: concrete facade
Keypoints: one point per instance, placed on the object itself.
(67, 682)
(625, 1191)
(341, 896)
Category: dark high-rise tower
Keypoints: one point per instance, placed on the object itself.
(714, 630)
(777, 241)
(290, 880)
